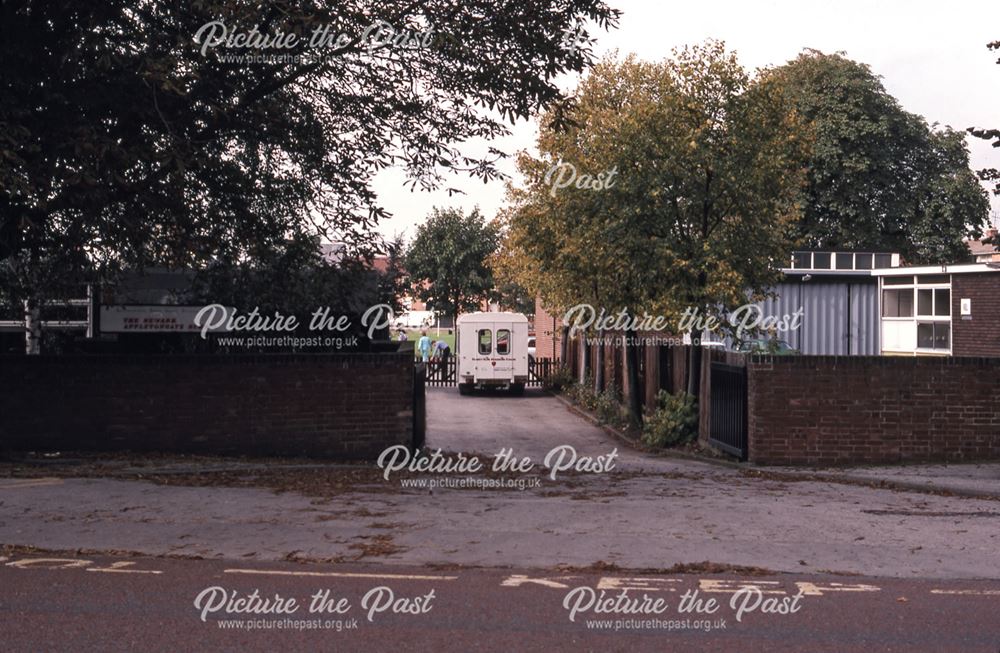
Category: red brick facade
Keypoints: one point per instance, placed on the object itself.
(977, 334)
(548, 333)
(320, 405)
(824, 410)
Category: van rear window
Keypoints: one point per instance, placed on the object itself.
(485, 342)
(503, 342)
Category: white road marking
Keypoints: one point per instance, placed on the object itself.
(735, 585)
(637, 584)
(811, 589)
(120, 568)
(520, 579)
(49, 563)
(968, 592)
(336, 574)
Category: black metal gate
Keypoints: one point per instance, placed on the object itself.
(728, 430)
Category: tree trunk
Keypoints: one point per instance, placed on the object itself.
(694, 364)
(564, 346)
(599, 365)
(632, 374)
(32, 327)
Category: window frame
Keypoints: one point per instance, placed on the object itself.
(479, 342)
(510, 342)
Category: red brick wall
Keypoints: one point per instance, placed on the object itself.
(547, 333)
(324, 405)
(821, 410)
(978, 334)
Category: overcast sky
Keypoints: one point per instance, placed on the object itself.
(931, 55)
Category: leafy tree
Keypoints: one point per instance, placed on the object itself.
(879, 177)
(126, 142)
(709, 165)
(990, 175)
(393, 281)
(292, 279)
(451, 253)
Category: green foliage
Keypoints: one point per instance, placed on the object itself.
(451, 252)
(879, 177)
(608, 406)
(675, 420)
(561, 379)
(293, 279)
(583, 393)
(990, 175)
(709, 166)
(393, 281)
(124, 146)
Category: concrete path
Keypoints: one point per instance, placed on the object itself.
(968, 479)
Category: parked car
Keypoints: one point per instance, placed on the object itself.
(771, 347)
(531, 349)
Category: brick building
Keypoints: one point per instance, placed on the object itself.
(548, 333)
(940, 310)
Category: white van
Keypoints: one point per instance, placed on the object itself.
(492, 351)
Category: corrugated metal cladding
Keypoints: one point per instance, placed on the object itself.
(839, 318)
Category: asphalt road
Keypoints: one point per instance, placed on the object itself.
(60, 602)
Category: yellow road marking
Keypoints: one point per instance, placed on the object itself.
(336, 574)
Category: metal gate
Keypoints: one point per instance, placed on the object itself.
(442, 373)
(728, 418)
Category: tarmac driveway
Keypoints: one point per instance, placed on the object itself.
(531, 425)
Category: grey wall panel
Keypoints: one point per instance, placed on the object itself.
(839, 318)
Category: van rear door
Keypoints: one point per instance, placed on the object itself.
(503, 351)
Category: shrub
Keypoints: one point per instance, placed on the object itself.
(582, 393)
(675, 420)
(558, 380)
(608, 407)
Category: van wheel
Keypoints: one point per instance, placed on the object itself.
(465, 388)
(517, 389)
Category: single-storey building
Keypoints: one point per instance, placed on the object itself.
(940, 310)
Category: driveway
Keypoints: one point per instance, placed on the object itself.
(532, 426)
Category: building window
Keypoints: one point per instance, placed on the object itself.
(485, 342)
(503, 342)
(821, 260)
(883, 261)
(845, 261)
(897, 303)
(942, 302)
(933, 302)
(933, 335)
(897, 281)
(801, 260)
(863, 262)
